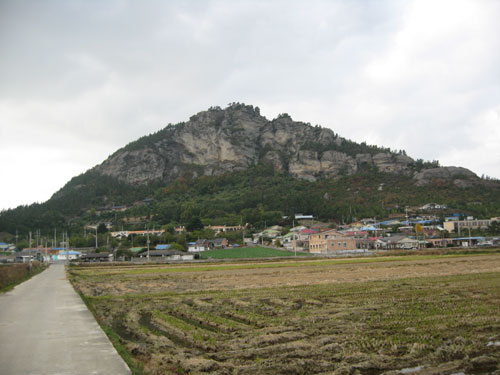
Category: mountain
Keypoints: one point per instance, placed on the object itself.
(238, 137)
(225, 161)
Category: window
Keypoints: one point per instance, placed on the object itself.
(345, 244)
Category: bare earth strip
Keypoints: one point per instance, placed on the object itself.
(244, 275)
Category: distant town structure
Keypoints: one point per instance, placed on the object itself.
(470, 223)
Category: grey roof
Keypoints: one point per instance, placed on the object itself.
(164, 252)
(96, 255)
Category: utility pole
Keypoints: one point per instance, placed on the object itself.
(294, 239)
(470, 241)
(147, 234)
(30, 241)
(55, 237)
(96, 238)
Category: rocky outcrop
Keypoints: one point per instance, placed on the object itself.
(461, 177)
(224, 140)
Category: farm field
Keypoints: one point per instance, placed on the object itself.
(395, 315)
(247, 252)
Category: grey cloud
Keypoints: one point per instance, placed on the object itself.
(96, 75)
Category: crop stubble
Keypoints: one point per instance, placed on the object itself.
(434, 315)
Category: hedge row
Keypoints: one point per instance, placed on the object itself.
(13, 274)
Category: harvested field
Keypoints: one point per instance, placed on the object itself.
(419, 315)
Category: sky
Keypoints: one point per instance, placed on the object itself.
(80, 79)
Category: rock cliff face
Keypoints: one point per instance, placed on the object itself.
(220, 140)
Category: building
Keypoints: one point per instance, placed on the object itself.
(163, 255)
(389, 243)
(7, 247)
(204, 245)
(408, 243)
(330, 241)
(97, 257)
(459, 225)
(126, 233)
(225, 228)
(440, 242)
(162, 247)
(200, 245)
(217, 243)
(66, 255)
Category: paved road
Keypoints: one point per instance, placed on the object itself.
(45, 328)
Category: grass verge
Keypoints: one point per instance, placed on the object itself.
(247, 252)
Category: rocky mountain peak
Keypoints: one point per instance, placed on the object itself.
(235, 138)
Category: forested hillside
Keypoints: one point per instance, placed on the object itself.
(259, 196)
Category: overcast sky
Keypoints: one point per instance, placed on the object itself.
(80, 79)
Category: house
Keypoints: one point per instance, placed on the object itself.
(303, 217)
(408, 243)
(162, 247)
(136, 249)
(20, 258)
(158, 255)
(433, 206)
(97, 257)
(7, 247)
(471, 223)
(126, 233)
(389, 243)
(7, 258)
(270, 233)
(200, 245)
(225, 228)
(330, 241)
(366, 243)
(217, 243)
(440, 242)
(67, 255)
(292, 242)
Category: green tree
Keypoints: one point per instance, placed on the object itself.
(194, 224)
(101, 228)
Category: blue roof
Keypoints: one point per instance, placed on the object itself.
(70, 252)
(162, 247)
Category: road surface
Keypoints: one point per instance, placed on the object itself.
(45, 328)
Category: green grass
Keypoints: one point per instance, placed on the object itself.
(135, 367)
(247, 252)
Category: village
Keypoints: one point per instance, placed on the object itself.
(305, 236)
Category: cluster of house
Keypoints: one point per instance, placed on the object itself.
(125, 233)
(416, 233)
(54, 254)
(204, 245)
(367, 234)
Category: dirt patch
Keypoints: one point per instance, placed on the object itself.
(423, 316)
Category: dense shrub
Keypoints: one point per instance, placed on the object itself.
(12, 274)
